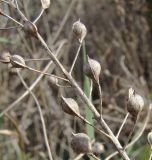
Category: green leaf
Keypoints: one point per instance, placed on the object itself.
(86, 89)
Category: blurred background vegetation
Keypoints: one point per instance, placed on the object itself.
(119, 37)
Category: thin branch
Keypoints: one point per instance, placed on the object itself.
(39, 16)
(150, 158)
(79, 156)
(131, 132)
(123, 123)
(9, 17)
(40, 112)
(64, 20)
(100, 97)
(98, 130)
(37, 59)
(19, 11)
(75, 58)
(93, 156)
(8, 28)
(45, 73)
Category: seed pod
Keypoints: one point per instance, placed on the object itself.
(97, 148)
(135, 103)
(92, 69)
(70, 106)
(149, 138)
(45, 4)
(5, 57)
(17, 61)
(81, 143)
(30, 28)
(79, 30)
(53, 80)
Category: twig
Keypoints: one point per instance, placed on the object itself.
(40, 112)
(8, 28)
(9, 17)
(37, 59)
(100, 97)
(64, 20)
(98, 130)
(45, 73)
(79, 156)
(150, 158)
(93, 156)
(131, 132)
(19, 11)
(39, 16)
(123, 123)
(75, 58)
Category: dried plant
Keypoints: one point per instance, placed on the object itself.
(81, 143)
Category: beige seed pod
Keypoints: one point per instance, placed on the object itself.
(45, 4)
(17, 61)
(97, 148)
(81, 143)
(70, 106)
(135, 103)
(30, 28)
(92, 69)
(5, 57)
(149, 138)
(53, 80)
(79, 30)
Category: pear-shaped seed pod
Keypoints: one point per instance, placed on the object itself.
(45, 4)
(17, 61)
(149, 138)
(92, 69)
(79, 30)
(81, 143)
(70, 106)
(30, 28)
(5, 57)
(97, 148)
(53, 80)
(135, 103)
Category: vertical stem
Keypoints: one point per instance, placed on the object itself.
(100, 98)
(87, 88)
(150, 158)
(131, 132)
(75, 58)
(123, 123)
(41, 115)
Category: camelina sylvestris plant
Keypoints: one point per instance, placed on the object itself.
(81, 143)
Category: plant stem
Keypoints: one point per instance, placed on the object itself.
(123, 123)
(75, 58)
(41, 115)
(87, 88)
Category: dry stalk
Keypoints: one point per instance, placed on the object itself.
(40, 112)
